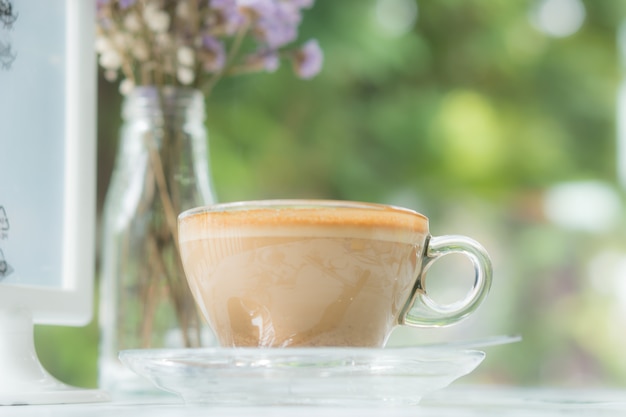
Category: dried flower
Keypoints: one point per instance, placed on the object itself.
(196, 42)
(132, 23)
(264, 61)
(213, 54)
(185, 56)
(125, 4)
(185, 75)
(309, 59)
(126, 86)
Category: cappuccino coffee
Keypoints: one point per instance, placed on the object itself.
(312, 277)
(293, 273)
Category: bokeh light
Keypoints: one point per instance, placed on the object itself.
(558, 18)
(395, 17)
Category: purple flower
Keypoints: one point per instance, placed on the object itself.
(260, 4)
(308, 60)
(220, 42)
(257, 5)
(103, 13)
(228, 15)
(271, 61)
(303, 4)
(276, 21)
(266, 60)
(214, 56)
(125, 4)
(276, 34)
(222, 4)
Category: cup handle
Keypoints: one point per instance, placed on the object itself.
(423, 311)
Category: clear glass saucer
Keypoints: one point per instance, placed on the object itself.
(303, 376)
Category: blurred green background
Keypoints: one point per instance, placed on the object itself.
(495, 118)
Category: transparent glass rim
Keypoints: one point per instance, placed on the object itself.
(291, 204)
(164, 101)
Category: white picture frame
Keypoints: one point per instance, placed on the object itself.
(69, 300)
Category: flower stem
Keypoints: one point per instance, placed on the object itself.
(168, 206)
(232, 55)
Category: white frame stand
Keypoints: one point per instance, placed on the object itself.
(23, 380)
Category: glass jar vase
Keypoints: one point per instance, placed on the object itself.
(161, 169)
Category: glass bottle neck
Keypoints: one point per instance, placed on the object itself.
(164, 103)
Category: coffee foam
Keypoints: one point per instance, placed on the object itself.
(387, 223)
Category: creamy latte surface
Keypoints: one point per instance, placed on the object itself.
(324, 276)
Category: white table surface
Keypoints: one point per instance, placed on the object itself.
(453, 401)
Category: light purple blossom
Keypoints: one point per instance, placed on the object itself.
(257, 5)
(125, 4)
(221, 4)
(263, 60)
(271, 61)
(229, 15)
(303, 4)
(275, 22)
(214, 56)
(230, 37)
(308, 60)
(276, 34)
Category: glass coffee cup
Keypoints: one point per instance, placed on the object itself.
(306, 273)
